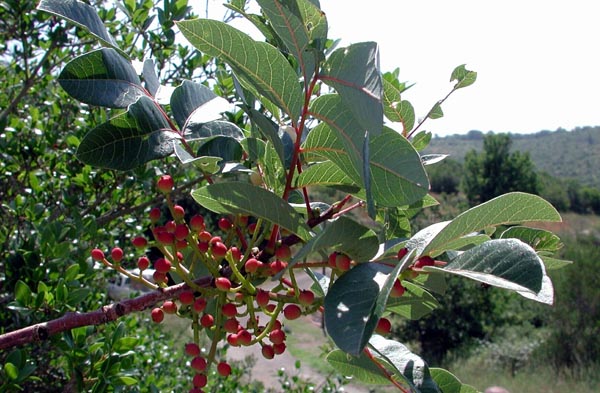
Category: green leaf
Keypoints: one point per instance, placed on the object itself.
(257, 64)
(130, 139)
(397, 174)
(414, 304)
(190, 101)
(299, 24)
(504, 263)
(404, 364)
(244, 198)
(126, 380)
(323, 173)
(421, 140)
(395, 109)
(269, 130)
(356, 301)
(507, 209)
(360, 367)
(343, 235)
(81, 15)
(102, 77)
(539, 239)
(354, 73)
(463, 77)
(11, 371)
(436, 112)
(553, 263)
(448, 383)
(22, 293)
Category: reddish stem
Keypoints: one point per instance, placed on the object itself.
(387, 374)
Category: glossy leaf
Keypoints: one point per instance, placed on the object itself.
(344, 235)
(404, 364)
(360, 367)
(129, 139)
(507, 209)
(193, 103)
(257, 64)
(356, 301)
(244, 198)
(354, 73)
(448, 383)
(102, 77)
(504, 263)
(82, 15)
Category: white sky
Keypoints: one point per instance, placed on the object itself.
(538, 62)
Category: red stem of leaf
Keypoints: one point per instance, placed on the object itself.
(384, 371)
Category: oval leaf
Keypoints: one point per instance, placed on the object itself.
(102, 77)
(130, 139)
(257, 64)
(245, 198)
(360, 367)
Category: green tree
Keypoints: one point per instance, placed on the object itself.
(497, 170)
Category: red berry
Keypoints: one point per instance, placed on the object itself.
(331, 260)
(199, 380)
(169, 307)
(424, 261)
(203, 246)
(198, 363)
(252, 265)
(215, 239)
(222, 283)
(181, 231)
(162, 265)
(262, 298)
(143, 263)
(279, 348)
(277, 266)
(116, 254)
(306, 297)
(178, 212)
(292, 311)
(231, 325)
(155, 215)
(204, 236)
(199, 304)
(267, 351)
(232, 339)
(139, 242)
(277, 336)
(252, 228)
(229, 310)
(225, 224)
(384, 326)
(284, 253)
(197, 223)
(181, 245)
(170, 226)
(157, 315)
(159, 277)
(342, 262)
(242, 221)
(397, 290)
(244, 337)
(166, 238)
(97, 255)
(165, 184)
(223, 369)
(402, 252)
(207, 320)
(192, 349)
(186, 297)
(236, 254)
(218, 250)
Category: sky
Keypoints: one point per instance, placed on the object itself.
(537, 62)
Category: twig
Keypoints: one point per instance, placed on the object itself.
(112, 312)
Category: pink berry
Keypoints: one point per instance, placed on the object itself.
(204, 236)
(139, 242)
(207, 320)
(197, 223)
(262, 298)
(306, 297)
(279, 348)
(162, 265)
(143, 263)
(198, 363)
(277, 336)
(284, 253)
(252, 265)
(332, 259)
(178, 212)
(267, 351)
(165, 238)
(223, 283)
(225, 224)
(186, 297)
(181, 231)
(155, 215)
(424, 261)
(229, 310)
(199, 380)
(219, 250)
(169, 307)
(244, 337)
(199, 304)
(342, 262)
(231, 325)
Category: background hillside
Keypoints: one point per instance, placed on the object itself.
(565, 154)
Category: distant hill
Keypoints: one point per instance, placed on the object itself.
(565, 154)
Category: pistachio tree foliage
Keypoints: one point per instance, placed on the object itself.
(303, 114)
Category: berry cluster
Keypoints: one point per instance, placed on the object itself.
(238, 305)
